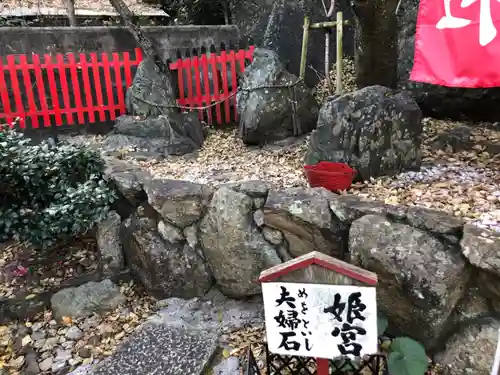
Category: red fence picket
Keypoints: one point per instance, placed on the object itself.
(92, 80)
(215, 81)
(44, 99)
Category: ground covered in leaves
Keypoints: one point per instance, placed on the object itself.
(463, 182)
(460, 177)
(70, 342)
(25, 271)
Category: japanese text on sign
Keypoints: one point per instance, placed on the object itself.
(487, 30)
(323, 321)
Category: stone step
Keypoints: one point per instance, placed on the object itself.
(161, 349)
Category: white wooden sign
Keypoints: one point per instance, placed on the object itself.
(496, 361)
(322, 321)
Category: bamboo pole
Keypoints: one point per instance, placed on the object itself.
(340, 31)
(305, 40)
(326, 25)
(327, 60)
(323, 25)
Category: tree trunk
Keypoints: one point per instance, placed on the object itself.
(70, 9)
(147, 45)
(226, 11)
(376, 40)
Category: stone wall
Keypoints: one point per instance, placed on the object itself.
(436, 273)
(438, 277)
(27, 40)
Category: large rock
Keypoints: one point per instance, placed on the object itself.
(473, 305)
(127, 179)
(348, 208)
(108, 243)
(419, 279)
(471, 350)
(181, 203)
(305, 219)
(278, 25)
(234, 247)
(482, 248)
(151, 93)
(166, 267)
(255, 189)
(86, 299)
(439, 101)
(267, 113)
(175, 134)
(376, 130)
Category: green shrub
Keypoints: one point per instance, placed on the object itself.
(49, 192)
(405, 356)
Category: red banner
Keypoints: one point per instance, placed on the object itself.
(456, 43)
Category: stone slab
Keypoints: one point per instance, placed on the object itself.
(215, 313)
(158, 349)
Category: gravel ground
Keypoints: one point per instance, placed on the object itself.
(465, 183)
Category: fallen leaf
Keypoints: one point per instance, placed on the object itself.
(26, 340)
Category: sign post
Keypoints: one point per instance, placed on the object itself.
(318, 306)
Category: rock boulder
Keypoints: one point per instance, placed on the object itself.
(234, 247)
(481, 247)
(278, 25)
(269, 113)
(127, 179)
(166, 267)
(108, 243)
(181, 203)
(376, 130)
(151, 93)
(175, 134)
(471, 350)
(86, 299)
(419, 279)
(306, 221)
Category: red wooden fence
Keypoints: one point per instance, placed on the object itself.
(223, 70)
(45, 85)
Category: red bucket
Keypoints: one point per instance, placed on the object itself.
(330, 175)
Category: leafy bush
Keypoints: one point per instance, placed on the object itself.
(405, 355)
(49, 192)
